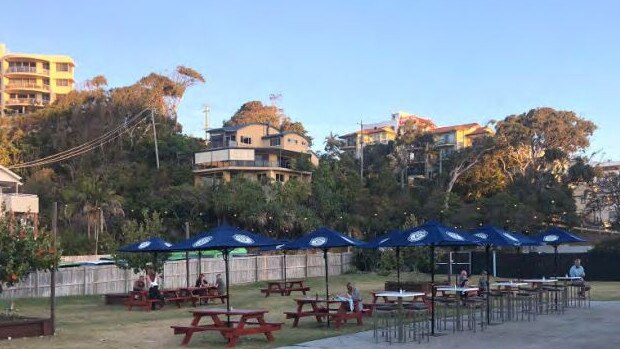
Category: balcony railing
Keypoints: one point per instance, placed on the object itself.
(28, 86)
(28, 101)
(242, 163)
(21, 203)
(32, 70)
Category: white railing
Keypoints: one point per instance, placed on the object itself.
(28, 86)
(28, 101)
(33, 70)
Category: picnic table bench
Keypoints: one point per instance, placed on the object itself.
(141, 299)
(250, 322)
(177, 296)
(284, 288)
(321, 308)
(200, 294)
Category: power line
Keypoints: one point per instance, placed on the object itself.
(86, 147)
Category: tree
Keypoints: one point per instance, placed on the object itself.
(134, 231)
(255, 112)
(24, 250)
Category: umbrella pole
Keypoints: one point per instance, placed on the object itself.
(432, 290)
(398, 266)
(326, 282)
(225, 254)
(284, 268)
(199, 262)
(555, 259)
(488, 290)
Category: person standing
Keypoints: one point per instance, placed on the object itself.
(220, 284)
(153, 282)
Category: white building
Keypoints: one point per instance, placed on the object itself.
(12, 200)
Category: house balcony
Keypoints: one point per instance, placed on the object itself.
(19, 203)
(26, 71)
(28, 87)
(27, 102)
(242, 164)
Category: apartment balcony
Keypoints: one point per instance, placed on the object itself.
(27, 102)
(26, 71)
(242, 164)
(29, 87)
(19, 203)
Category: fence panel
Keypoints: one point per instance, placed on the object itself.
(94, 280)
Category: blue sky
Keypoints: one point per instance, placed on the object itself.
(336, 62)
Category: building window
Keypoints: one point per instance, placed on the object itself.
(279, 177)
(303, 143)
(293, 178)
(294, 141)
(274, 142)
(246, 140)
(62, 67)
(46, 66)
(261, 177)
(62, 82)
(229, 139)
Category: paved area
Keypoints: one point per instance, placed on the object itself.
(597, 327)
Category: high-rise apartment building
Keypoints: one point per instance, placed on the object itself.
(32, 81)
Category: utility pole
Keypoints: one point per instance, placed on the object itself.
(53, 272)
(155, 138)
(362, 152)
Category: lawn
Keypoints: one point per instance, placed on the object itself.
(85, 322)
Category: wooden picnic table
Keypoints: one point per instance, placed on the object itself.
(250, 322)
(321, 308)
(205, 293)
(284, 288)
(141, 299)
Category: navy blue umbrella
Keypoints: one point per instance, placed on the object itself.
(493, 236)
(323, 238)
(376, 243)
(433, 234)
(152, 245)
(224, 238)
(556, 237)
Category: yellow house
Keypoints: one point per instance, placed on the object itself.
(254, 151)
(32, 81)
(381, 133)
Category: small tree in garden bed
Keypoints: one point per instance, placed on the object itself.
(134, 231)
(23, 250)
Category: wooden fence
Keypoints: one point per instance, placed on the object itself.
(92, 280)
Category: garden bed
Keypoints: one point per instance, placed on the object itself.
(25, 327)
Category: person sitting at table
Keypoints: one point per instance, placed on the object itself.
(483, 285)
(462, 279)
(220, 284)
(577, 270)
(139, 284)
(201, 281)
(152, 281)
(351, 296)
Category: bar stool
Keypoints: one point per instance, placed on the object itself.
(444, 307)
(526, 304)
(496, 300)
(476, 306)
(419, 325)
(384, 323)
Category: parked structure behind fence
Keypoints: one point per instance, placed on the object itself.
(93, 280)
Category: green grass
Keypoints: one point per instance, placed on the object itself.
(85, 322)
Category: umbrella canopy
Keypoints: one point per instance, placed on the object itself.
(376, 243)
(322, 238)
(149, 245)
(557, 236)
(431, 233)
(224, 238)
(493, 236)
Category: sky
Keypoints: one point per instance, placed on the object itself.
(338, 62)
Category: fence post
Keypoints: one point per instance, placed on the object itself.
(306, 269)
(341, 264)
(256, 268)
(84, 283)
(36, 283)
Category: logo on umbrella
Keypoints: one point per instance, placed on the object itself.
(244, 239)
(417, 235)
(550, 238)
(167, 244)
(482, 236)
(279, 247)
(144, 245)
(455, 236)
(348, 240)
(320, 241)
(510, 237)
(202, 241)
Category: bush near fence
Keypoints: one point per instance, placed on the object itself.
(93, 280)
(599, 266)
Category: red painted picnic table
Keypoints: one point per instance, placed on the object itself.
(250, 322)
(320, 308)
(205, 293)
(284, 288)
